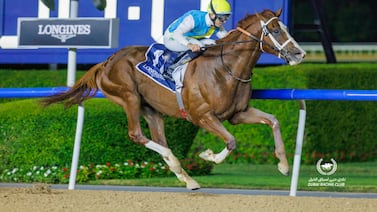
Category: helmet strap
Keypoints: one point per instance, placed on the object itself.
(214, 12)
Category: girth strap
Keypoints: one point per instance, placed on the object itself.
(178, 75)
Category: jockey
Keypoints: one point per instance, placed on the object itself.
(191, 32)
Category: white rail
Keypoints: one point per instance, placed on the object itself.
(341, 47)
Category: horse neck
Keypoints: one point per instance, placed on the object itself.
(242, 57)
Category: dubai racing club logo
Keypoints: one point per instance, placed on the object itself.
(326, 168)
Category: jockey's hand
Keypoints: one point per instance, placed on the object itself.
(193, 47)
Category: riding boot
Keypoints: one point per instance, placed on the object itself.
(186, 57)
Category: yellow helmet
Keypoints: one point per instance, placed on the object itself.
(219, 7)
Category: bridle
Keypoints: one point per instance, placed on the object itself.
(279, 48)
(266, 32)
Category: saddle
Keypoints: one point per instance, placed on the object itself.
(158, 59)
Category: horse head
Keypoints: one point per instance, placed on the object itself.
(274, 37)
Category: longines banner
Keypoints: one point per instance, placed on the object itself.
(68, 33)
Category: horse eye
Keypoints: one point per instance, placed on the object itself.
(276, 31)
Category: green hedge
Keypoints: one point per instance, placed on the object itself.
(33, 136)
(343, 130)
(255, 142)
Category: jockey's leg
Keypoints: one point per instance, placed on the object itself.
(185, 58)
(178, 75)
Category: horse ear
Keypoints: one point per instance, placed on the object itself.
(278, 13)
(260, 17)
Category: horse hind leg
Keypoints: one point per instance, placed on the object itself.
(156, 126)
(125, 96)
(173, 164)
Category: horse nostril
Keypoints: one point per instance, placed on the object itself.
(300, 53)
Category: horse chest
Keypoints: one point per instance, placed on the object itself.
(231, 101)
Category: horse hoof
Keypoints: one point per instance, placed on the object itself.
(284, 169)
(193, 185)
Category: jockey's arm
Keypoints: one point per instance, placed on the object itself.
(186, 26)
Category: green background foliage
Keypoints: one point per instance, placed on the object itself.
(30, 135)
(344, 130)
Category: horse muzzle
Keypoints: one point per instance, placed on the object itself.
(294, 56)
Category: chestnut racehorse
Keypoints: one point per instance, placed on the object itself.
(216, 88)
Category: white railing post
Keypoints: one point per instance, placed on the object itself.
(71, 75)
(76, 148)
(298, 151)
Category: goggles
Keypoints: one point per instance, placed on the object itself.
(223, 17)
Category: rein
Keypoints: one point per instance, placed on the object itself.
(230, 71)
(262, 42)
(265, 32)
(253, 38)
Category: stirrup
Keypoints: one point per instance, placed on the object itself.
(184, 58)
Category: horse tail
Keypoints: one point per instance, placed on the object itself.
(84, 89)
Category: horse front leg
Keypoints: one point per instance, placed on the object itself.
(255, 116)
(210, 123)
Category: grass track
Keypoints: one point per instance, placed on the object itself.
(359, 177)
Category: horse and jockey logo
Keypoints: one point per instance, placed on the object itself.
(326, 168)
(157, 54)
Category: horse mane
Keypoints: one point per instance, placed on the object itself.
(232, 35)
(244, 23)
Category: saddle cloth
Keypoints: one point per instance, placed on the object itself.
(158, 59)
